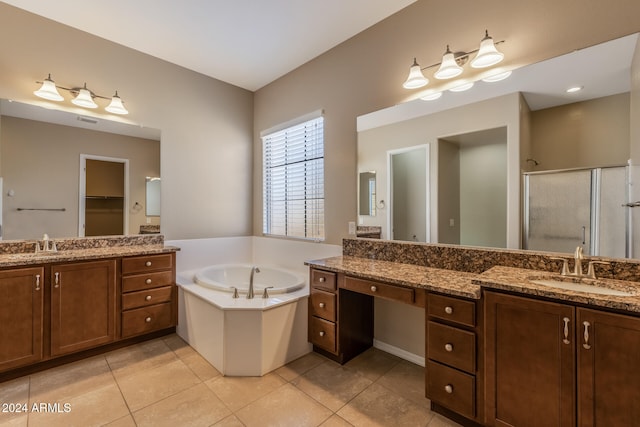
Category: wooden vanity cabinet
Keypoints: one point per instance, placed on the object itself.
(148, 294)
(608, 369)
(21, 316)
(554, 364)
(83, 305)
(453, 377)
(340, 321)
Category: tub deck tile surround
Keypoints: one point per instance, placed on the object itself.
(22, 252)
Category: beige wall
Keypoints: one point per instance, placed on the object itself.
(365, 73)
(40, 162)
(583, 134)
(206, 124)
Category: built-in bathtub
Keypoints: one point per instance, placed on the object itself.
(228, 277)
(241, 336)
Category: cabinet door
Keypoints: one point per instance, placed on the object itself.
(83, 309)
(22, 299)
(530, 362)
(608, 369)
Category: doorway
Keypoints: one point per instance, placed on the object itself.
(103, 196)
(408, 185)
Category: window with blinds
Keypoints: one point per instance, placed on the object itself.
(293, 181)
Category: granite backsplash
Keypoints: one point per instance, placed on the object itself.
(477, 260)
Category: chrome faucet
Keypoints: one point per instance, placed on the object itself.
(46, 246)
(253, 271)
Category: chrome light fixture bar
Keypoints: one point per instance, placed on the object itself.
(83, 97)
(452, 63)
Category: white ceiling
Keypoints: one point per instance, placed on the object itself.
(248, 43)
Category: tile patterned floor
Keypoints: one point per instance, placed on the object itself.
(164, 382)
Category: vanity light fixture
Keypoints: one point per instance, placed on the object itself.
(449, 68)
(453, 62)
(83, 96)
(416, 79)
(487, 55)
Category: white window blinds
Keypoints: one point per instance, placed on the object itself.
(293, 181)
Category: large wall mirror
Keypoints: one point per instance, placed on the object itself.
(48, 186)
(485, 145)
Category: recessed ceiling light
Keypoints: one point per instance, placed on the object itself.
(574, 89)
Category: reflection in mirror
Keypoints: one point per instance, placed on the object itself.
(367, 190)
(547, 129)
(40, 152)
(153, 196)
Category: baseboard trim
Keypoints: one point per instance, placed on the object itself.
(396, 351)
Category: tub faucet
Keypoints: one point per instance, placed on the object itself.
(253, 271)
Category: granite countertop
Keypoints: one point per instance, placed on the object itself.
(470, 285)
(414, 276)
(22, 259)
(517, 280)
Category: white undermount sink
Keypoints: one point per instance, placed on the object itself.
(580, 284)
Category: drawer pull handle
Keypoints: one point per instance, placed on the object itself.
(448, 347)
(374, 288)
(448, 310)
(448, 388)
(566, 330)
(586, 344)
(321, 305)
(321, 333)
(148, 319)
(57, 280)
(148, 263)
(322, 280)
(148, 298)
(37, 282)
(148, 281)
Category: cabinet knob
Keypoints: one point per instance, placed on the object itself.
(448, 309)
(321, 333)
(322, 280)
(448, 347)
(148, 319)
(148, 281)
(448, 388)
(37, 282)
(374, 288)
(321, 305)
(57, 280)
(148, 298)
(148, 263)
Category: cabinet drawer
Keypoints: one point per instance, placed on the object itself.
(452, 346)
(146, 319)
(323, 304)
(323, 280)
(322, 333)
(147, 281)
(147, 297)
(141, 264)
(452, 309)
(396, 293)
(451, 388)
